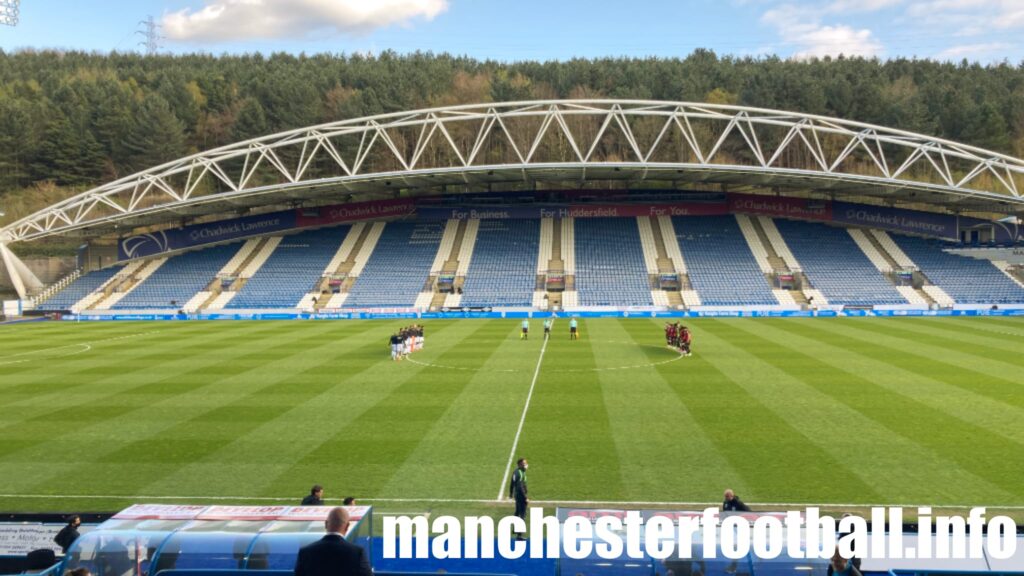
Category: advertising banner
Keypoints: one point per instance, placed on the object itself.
(574, 211)
(150, 244)
(1002, 232)
(801, 208)
(897, 219)
(482, 212)
(324, 215)
(633, 210)
(160, 512)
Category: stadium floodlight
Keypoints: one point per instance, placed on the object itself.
(9, 12)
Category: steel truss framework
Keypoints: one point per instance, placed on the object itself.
(561, 140)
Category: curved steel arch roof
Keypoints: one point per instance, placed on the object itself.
(559, 140)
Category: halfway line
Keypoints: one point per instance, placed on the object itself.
(522, 419)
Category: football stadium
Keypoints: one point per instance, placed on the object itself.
(650, 301)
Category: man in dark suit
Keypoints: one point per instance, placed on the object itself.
(732, 503)
(315, 497)
(333, 555)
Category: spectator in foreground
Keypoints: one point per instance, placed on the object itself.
(315, 497)
(733, 503)
(68, 534)
(840, 566)
(349, 501)
(80, 571)
(40, 560)
(333, 555)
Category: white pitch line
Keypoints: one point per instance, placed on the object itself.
(522, 419)
(499, 501)
(87, 345)
(84, 348)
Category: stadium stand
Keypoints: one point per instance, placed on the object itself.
(290, 270)
(668, 237)
(504, 264)
(757, 248)
(395, 273)
(569, 245)
(778, 244)
(836, 266)
(650, 249)
(721, 267)
(129, 281)
(966, 280)
(451, 229)
(547, 234)
(81, 288)
(610, 269)
(876, 257)
(179, 279)
(468, 244)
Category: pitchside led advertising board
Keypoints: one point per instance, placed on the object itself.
(944, 226)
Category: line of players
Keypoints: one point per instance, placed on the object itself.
(406, 341)
(548, 322)
(678, 337)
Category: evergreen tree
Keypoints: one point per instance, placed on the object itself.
(155, 136)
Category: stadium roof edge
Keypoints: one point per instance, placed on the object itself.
(471, 145)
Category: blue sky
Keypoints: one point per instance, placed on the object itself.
(982, 30)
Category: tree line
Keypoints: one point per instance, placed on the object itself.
(76, 119)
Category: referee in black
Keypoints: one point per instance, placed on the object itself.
(517, 490)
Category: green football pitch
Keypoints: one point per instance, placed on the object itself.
(846, 411)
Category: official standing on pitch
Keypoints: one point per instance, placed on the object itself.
(517, 490)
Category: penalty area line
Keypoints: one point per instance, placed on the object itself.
(522, 419)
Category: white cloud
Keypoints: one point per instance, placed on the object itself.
(836, 40)
(968, 17)
(801, 29)
(228, 20)
(845, 6)
(969, 50)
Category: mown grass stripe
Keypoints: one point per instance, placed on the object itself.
(994, 351)
(766, 449)
(386, 433)
(468, 445)
(953, 440)
(964, 390)
(125, 465)
(273, 443)
(658, 441)
(567, 436)
(894, 467)
(970, 325)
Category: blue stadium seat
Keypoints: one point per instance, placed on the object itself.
(399, 266)
(610, 268)
(721, 267)
(292, 271)
(503, 270)
(967, 280)
(178, 279)
(80, 288)
(836, 265)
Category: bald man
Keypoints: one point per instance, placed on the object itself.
(732, 503)
(333, 555)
